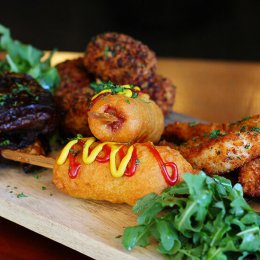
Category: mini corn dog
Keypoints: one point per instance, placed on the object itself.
(128, 116)
(99, 171)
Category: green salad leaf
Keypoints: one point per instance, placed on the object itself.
(200, 218)
(22, 58)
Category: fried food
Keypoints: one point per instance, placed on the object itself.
(223, 152)
(249, 177)
(120, 58)
(95, 181)
(73, 96)
(184, 131)
(163, 92)
(125, 119)
(27, 111)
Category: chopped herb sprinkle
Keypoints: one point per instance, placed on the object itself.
(44, 188)
(137, 161)
(21, 195)
(214, 134)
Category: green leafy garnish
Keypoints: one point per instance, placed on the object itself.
(245, 118)
(21, 195)
(200, 218)
(214, 134)
(100, 86)
(44, 188)
(22, 58)
(255, 129)
(5, 142)
(127, 101)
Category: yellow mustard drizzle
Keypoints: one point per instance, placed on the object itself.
(126, 91)
(90, 158)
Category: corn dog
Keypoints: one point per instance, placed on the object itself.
(128, 116)
(115, 172)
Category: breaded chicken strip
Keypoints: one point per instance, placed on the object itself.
(249, 177)
(221, 152)
(185, 131)
(120, 59)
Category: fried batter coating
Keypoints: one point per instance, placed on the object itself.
(249, 177)
(74, 95)
(95, 181)
(137, 120)
(184, 131)
(163, 92)
(120, 59)
(222, 153)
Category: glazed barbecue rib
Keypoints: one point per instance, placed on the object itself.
(27, 111)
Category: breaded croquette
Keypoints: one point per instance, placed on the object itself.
(120, 58)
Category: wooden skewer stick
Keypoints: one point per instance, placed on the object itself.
(39, 160)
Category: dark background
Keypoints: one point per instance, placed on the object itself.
(193, 29)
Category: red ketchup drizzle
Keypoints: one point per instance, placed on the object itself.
(74, 166)
(171, 180)
(105, 158)
(132, 165)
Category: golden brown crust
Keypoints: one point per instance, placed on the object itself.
(249, 177)
(185, 131)
(223, 153)
(74, 95)
(120, 59)
(163, 92)
(137, 119)
(96, 182)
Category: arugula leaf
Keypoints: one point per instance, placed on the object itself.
(200, 218)
(22, 58)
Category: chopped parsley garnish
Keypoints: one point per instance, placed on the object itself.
(243, 128)
(255, 129)
(134, 94)
(44, 188)
(245, 118)
(77, 137)
(22, 88)
(21, 195)
(36, 176)
(247, 146)
(214, 134)
(204, 134)
(137, 161)
(127, 101)
(100, 86)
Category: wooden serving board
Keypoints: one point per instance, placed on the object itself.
(89, 227)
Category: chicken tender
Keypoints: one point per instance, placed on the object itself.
(221, 152)
(249, 177)
(120, 59)
(163, 92)
(74, 95)
(184, 131)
